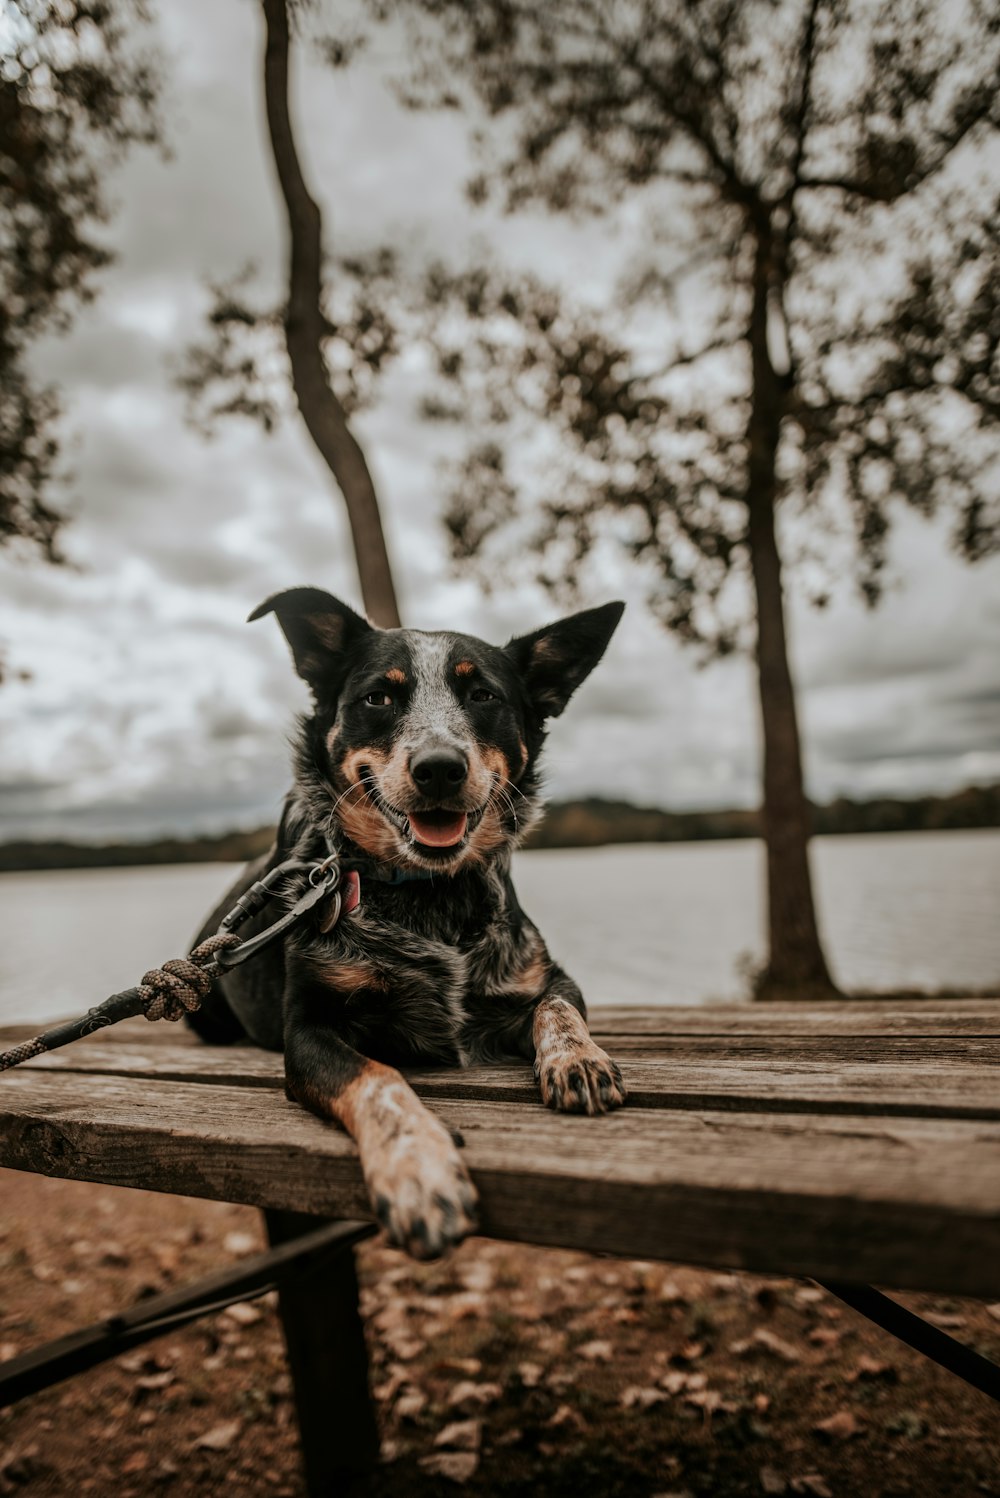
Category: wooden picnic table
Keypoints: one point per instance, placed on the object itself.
(854, 1142)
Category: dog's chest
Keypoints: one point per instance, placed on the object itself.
(404, 988)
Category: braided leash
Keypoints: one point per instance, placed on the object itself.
(182, 984)
(169, 992)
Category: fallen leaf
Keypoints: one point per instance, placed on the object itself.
(243, 1313)
(478, 1275)
(636, 1397)
(410, 1403)
(772, 1482)
(567, 1415)
(690, 1352)
(710, 1399)
(8, 1350)
(867, 1367)
(839, 1427)
(772, 1343)
(530, 1374)
(806, 1295)
(994, 1310)
(674, 1381)
(142, 1362)
(240, 1244)
(466, 1306)
(813, 1484)
(458, 1466)
(597, 1351)
(168, 1258)
(468, 1393)
(153, 1381)
(407, 1348)
(670, 1294)
(137, 1462)
(471, 1366)
(461, 1435)
(947, 1321)
(528, 1310)
(391, 1386)
(220, 1437)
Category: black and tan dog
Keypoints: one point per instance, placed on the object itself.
(419, 767)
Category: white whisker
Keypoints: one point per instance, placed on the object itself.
(354, 786)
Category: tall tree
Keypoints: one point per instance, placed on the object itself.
(808, 336)
(222, 377)
(75, 92)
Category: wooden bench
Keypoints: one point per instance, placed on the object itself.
(852, 1143)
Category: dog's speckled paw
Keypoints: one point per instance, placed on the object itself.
(580, 1079)
(421, 1190)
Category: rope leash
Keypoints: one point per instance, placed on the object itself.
(181, 984)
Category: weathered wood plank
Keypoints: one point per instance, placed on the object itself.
(884, 1017)
(911, 1203)
(915, 1082)
(854, 1017)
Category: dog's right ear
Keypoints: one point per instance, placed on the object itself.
(319, 629)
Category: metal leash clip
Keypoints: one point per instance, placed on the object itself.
(323, 879)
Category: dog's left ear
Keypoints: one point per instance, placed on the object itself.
(319, 629)
(555, 660)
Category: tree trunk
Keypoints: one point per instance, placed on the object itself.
(304, 329)
(796, 967)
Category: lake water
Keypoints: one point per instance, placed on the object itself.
(643, 924)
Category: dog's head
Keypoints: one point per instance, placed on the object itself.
(428, 743)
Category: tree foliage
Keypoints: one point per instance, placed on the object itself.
(75, 92)
(819, 239)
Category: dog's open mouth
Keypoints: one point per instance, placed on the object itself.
(438, 829)
(435, 830)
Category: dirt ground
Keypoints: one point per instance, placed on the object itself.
(502, 1370)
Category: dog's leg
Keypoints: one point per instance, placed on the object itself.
(416, 1178)
(574, 1074)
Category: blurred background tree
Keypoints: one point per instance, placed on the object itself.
(222, 376)
(807, 337)
(75, 92)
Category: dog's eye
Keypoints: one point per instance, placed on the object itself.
(378, 699)
(482, 695)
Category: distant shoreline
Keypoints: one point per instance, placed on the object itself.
(589, 823)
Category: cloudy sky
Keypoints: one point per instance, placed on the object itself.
(152, 707)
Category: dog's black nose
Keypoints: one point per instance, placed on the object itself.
(439, 772)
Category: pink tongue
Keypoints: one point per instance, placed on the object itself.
(435, 834)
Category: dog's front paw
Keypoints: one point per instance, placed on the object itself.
(420, 1188)
(580, 1079)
